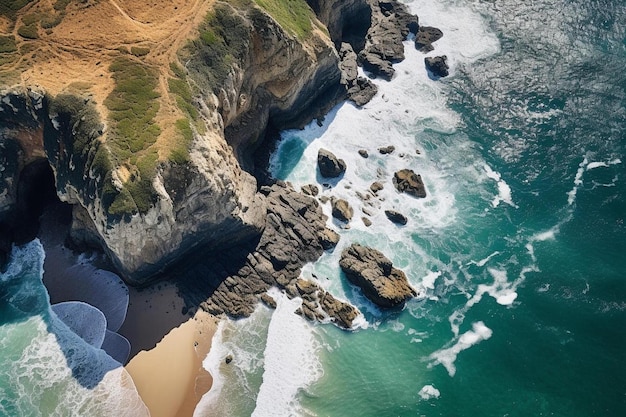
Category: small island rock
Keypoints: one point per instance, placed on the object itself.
(374, 273)
(438, 65)
(407, 181)
(330, 166)
(342, 210)
(396, 217)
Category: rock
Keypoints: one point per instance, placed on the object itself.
(329, 165)
(437, 65)
(329, 239)
(362, 91)
(371, 271)
(407, 181)
(425, 36)
(376, 187)
(367, 222)
(310, 189)
(342, 210)
(228, 359)
(396, 217)
(390, 25)
(387, 149)
(341, 313)
(363, 153)
(268, 300)
(323, 199)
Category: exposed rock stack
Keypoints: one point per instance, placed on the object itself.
(374, 273)
(437, 65)
(407, 181)
(329, 165)
(425, 37)
(342, 210)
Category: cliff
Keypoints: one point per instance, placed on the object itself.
(148, 117)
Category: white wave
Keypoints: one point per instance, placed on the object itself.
(447, 357)
(578, 181)
(429, 392)
(429, 280)
(504, 190)
(484, 261)
(291, 362)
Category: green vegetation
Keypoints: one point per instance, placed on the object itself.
(133, 106)
(139, 50)
(9, 8)
(179, 87)
(7, 44)
(294, 16)
(180, 154)
(223, 40)
(28, 31)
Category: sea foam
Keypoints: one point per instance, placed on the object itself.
(291, 362)
(447, 357)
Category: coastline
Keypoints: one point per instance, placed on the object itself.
(168, 343)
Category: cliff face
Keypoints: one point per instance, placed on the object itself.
(207, 201)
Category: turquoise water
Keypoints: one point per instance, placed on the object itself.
(517, 252)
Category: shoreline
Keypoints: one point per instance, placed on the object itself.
(168, 343)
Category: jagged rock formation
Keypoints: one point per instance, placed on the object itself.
(437, 65)
(371, 271)
(407, 181)
(319, 305)
(231, 282)
(360, 90)
(329, 165)
(391, 24)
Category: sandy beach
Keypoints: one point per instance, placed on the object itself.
(168, 343)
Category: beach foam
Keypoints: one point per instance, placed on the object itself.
(291, 363)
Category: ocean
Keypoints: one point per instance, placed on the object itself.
(517, 253)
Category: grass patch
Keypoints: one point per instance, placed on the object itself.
(9, 8)
(294, 16)
(133, 107)
(139, 50)
(28, 31)
(223, 40)
(180, 154)
(7, 44)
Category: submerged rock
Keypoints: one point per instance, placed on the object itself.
(438, 65)
(374, 273)
(407, 181)
(329, 165)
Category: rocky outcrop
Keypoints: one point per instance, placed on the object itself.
(319, 305)
(371, 271)
(360, 90)
(391, 24)
(407, 181)
(437, 65)
(231, 282)
(386, 150)
(329, 165)
(425, 37)
(341, 210)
